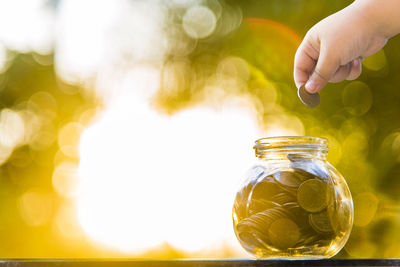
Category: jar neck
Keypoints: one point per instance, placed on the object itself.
(293, 148)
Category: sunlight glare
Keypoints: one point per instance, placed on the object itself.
(94, 35)
(148, 178)
(27, 25)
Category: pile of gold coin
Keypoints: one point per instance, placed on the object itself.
(285, 211)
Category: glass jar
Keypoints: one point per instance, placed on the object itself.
(293, 204)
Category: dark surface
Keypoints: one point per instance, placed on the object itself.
(183, 263)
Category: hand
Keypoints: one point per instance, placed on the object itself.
(333, 49)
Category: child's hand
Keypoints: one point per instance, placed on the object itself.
(333, 49)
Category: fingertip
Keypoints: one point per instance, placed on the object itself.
(355, 70)
(304, 63)
(312, 87)
(300, 77)
(326, 67)
(356, 63)
(315, 83)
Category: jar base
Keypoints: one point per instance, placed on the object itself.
(296, 254)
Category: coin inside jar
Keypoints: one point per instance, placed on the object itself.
(310, 100)
(284, 233)
(320, 222)
(312, 195)
(287, 209)
(292, 204)
(288, 178)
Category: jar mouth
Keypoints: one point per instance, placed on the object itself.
(306, 145)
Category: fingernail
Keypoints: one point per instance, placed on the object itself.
(311, 86)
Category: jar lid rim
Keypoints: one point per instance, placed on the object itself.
(292, 139)
(283, 145)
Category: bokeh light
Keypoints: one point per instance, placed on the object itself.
(65, 179)
(36, 207)
(199, 22)
(68, 138)
(365, 206)
(376, 62)
(357, 98)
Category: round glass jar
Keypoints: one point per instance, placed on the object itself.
(293, 204)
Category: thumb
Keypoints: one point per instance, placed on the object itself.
(327, 65)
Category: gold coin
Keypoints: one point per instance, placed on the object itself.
(248, 235)
(293, 178)
(263, 220)
(253, 225)
(257, 223)
(258, 205)
(240, 205)
(310, 100)
(265, 189)
(248, 239)
(277, 213)
(288, 178)
(312, 195)
(311, 239)
(320, 222)
(296, 157)
(297, 214)
(304, 175)
(290, 205)
(283, 233)
(283, 198)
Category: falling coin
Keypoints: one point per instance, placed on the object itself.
(310, 100)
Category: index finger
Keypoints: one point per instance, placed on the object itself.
(304, 62)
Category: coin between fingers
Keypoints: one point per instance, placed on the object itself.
(310, 100)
